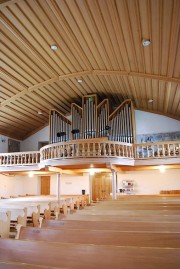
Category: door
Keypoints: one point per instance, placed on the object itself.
(45, 185)
(101, 186)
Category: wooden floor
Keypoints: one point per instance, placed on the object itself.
(133, 232)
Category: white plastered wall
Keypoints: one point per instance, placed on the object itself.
(21, 185)
(71, 184)
(31, 143)
(18, 185)
(151, 181)
(152, 123)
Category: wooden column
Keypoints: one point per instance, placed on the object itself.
(90, 188)
(58, 186)
(114, 184)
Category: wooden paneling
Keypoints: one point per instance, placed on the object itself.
(101, 185)
(99, 42)
(45, 185)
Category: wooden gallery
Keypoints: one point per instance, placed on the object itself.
(90, 134)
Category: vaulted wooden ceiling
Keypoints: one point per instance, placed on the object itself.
(100, 42)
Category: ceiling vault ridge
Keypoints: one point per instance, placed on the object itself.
(95, 72)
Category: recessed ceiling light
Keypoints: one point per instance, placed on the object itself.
(146, 42)
(150, 100)
(54, 47)
(79, 80)
(40, 112)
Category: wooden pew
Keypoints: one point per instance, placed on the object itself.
(18, 265)
(112, 225)
(78, 256)
(102, 237)
(5, 218)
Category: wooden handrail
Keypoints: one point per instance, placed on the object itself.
(92, 148)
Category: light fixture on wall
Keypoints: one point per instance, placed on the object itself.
(162, 168)
(91, 171)
(31, 174)
(3, 139)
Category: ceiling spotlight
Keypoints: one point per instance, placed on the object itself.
(40, 112)
(150, 100)
(146, 43)
(54, 47)
(79, 80)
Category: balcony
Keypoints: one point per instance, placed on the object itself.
(96, 150)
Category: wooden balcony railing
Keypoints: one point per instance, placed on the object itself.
(165, 149)
(87, 148)
(19, 158)
(92, 148)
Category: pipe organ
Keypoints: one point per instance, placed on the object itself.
(121, 123)
(60, 127)
(89, 116)
(103, 128)
(77, 129)
(93, 121)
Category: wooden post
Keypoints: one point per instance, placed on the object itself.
(114, 184)
(58, 187)
(90, 188)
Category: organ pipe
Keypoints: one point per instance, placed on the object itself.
(92, 120)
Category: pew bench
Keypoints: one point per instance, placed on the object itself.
(112, 225)
(78, 256)
(102, 237)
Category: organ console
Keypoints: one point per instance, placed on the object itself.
(92, 120)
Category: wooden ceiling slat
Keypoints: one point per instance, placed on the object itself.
(166, 34)
(174, 104)
(21, 127)
(27, 110)
(72, 41)
(103, 22)
(20, 50)
(52, 104)
(68, 61)
(17, 71)
(99, 42)
(13, 72)
(64, 90)
(23, 39)
(161, 86)
(174, 32)
(85, 27)
(18, 112)
(14, 119)
(59, 98)
(8, 87)
(19, 61)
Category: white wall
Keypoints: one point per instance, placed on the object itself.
(71, 184)
(151, 181)
(18, 185)
(4, 143)
(146, 182)
(149, 123)
(31, 143)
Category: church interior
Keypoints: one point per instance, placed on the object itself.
(90, 134)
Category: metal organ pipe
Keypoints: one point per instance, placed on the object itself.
(91, 121)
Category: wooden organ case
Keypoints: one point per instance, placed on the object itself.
(92, 120)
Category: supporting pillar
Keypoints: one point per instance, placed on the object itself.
(114, 185)
(90, 188)
(58, 187)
